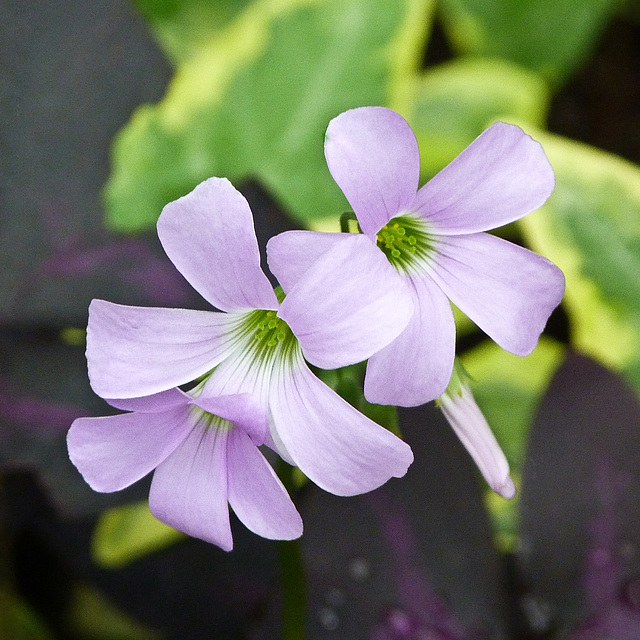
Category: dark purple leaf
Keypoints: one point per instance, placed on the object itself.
(580, 508)
(43, 388)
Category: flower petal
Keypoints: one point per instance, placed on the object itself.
(501, 176)
(508, 291)
(151, 404)
(466, 419)
(334, 445)
(115, 451)
(349, 305)
(292, 253)
(243, 409)
(373, 156)
(189, 489)
(139, 351)
(256, 495)
(242, 375)
(415, 368)
(209, 236)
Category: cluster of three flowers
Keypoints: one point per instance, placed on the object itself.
(382, 296)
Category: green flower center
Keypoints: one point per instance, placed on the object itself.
(270, 330)
(259, 339)
(266, 336)
(406, 242)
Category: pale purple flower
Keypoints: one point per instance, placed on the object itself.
(260, 344)
(471, 427)
(432, 237)
(204, 452)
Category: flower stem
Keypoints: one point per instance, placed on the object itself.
(294, 597)
(345, 219)
(292, 576)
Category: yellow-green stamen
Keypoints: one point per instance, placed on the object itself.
(406, 242)
(266, 336)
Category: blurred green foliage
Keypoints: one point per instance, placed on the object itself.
(590, 228)
(508, 389)
(18, 621)
(183, 28)
(255, 102)
(552, 37)
(126, 533)
(92, 616)
(454, 102)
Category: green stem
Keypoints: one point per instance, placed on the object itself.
(294, 596)
(292, 576)
(345, 218)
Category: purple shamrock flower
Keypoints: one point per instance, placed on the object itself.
(471, 427)
(204, 452)
(432, 238)
(259, 345)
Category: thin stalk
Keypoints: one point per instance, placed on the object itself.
(294, 592)
(292, 576)
(345, 219)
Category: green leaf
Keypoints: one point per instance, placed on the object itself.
(18, 621)
(553, 37)
(455, 102)
(93, 617)
(590, 227)
(509, 388)
(256, 101)
(126, 533)
(183, 26)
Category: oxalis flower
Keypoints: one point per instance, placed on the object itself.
(432, 238)
(204, 452)
(259, 345)
(471, 427)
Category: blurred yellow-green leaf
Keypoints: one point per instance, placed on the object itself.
(455, 102)
(590, 227)
(92, 617)
(553, 37)
(509, 388)
(256, 100)
(18, 621)
(183, 26)
(126, 533)
(505, 517)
